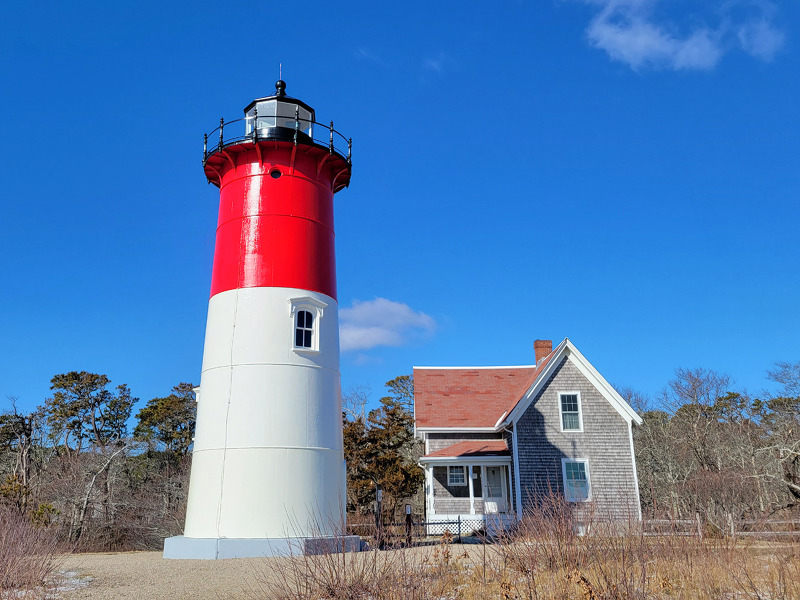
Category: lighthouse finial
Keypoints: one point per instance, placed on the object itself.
(280, 87)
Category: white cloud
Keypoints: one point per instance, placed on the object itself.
(381, 322)
(636, 33)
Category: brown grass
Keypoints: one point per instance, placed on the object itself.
(546, 559)
(28, 557)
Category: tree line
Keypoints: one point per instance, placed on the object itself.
(81, 464)
(73, 463)
(107, 479)
(709, 448)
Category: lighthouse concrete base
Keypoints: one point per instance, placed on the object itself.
(182, 547)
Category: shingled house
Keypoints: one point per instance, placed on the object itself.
(499, 438)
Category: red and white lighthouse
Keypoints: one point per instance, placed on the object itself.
(267, 464)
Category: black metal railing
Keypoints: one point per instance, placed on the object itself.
(321, 134)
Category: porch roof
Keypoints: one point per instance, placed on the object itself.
(472, 449)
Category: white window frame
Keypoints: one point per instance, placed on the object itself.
(561, 412)
(450, 482)
(585, 462)
(317, 310)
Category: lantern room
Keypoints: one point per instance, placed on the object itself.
(279, 116)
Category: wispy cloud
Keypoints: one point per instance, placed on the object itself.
(369, 55)
(381, 322)
(761, 39)
(637, 33)
(437, 63)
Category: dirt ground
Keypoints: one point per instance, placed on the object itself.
(148, 576)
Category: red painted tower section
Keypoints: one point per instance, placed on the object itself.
(275, 223)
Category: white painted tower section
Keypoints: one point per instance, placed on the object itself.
(268, 420)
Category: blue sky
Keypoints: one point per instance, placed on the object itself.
(620, 172)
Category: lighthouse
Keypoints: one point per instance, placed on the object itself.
(268, 473)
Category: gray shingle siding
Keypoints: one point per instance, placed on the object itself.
(455, 499)
(604, 443)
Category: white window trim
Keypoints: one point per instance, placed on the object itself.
(463, 471)
(561, 415)
(585, 462)
(317, 310)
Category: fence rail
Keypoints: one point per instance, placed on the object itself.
(701, 527)
(415, 530)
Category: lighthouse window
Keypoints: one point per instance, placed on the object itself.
(306, 316)
(304, 329)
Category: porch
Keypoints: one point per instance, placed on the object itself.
(469, 482)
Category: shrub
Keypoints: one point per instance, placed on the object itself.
(28, 556)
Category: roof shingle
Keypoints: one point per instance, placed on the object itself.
(469, 397)
(472, 448)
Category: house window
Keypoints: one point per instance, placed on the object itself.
(570, 408)
(576, 479)
(456, 476)
(306, 314)
(304, 329)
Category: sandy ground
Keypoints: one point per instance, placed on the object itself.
(147, 576)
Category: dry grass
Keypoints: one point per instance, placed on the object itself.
(546, 559)
(28, 557)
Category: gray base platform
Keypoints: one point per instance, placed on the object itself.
(181, 547)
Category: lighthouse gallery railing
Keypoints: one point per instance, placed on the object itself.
(219, 138)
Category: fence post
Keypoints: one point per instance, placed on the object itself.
(459, 529)
(378, 518)
(408, 525)
(730, 524)
(699, 526)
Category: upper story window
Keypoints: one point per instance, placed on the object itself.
(306, 314)
(304, 329)
(570, 409)
(456, 475)
(576, 479)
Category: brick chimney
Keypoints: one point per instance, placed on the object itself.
(542, 348)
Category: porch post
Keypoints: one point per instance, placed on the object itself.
(471, 491)
(429, 490)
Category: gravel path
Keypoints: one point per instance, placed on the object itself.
(147, 576)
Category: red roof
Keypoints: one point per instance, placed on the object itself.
(469, 397)
(472, 448)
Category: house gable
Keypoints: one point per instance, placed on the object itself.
(568, 349)
(603, 443)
